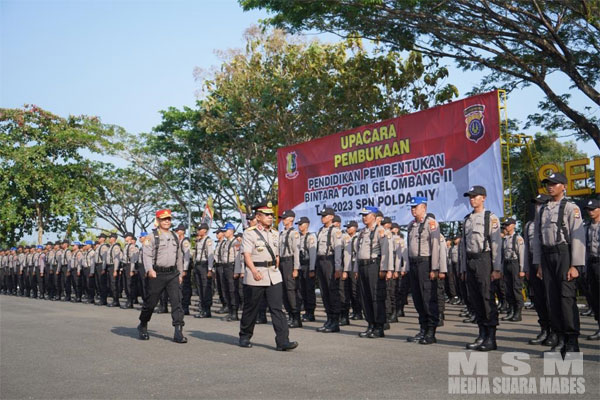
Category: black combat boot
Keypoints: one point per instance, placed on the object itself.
(367, 332)
(309, 316)
(344, 319)
(178, 336)
(560, 343)
(510, 314)
(517, 315)
(325, 325)
(143, 331)
(377, 332)
(480, 338)
(418, 336)
(490, 340)
(539, 339)
(551, 340)
(429, 336)
(334, 326)
(296, 322)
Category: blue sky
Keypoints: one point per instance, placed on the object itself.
(124, 60)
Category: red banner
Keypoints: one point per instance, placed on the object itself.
(438, 153)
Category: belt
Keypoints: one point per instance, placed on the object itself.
(418, 259)
(369, 261)
(476, 256)
(325, 257)
(264, 264)
(510, 260)
(201, 263)
(594, 259)
(164, 270)
(286, 259)
(563, 247)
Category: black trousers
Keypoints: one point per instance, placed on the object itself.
(307, 290)
(129, 281)
(102, 287)
(479, 286)
(219, 272)
(41, 281)
(402, 290)
(88, 285)
(441, 294)
(64, 279)
(22, 276)
(228, 287)
(593, 278)
(373, 292)
(345, 295)
(514, 283)
(464, 294)
(142, 281)
(186, 289)
(204, 285)
(253, 296)
(50, 281)
(330, 287)
(73, 284)
(113, 280)
(390, 296)
(355, 299)
(291, 295)
(238, 287)
(424, 292)
(163, 281)
(560, 293)
(499, 290)
(33, 282)
(450, 281)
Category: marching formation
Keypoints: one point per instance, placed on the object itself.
(363, 272)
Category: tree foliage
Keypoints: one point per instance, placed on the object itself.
(279, 91)
(46, 181)
(520, 43)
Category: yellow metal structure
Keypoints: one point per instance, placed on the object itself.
(510, 141)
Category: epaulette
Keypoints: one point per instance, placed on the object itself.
(251, 228)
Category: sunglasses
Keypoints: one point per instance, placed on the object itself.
(166, 219)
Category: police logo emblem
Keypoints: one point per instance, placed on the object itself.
(474, 120)
(291, 168)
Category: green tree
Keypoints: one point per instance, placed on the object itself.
(276, 92)
(127, 200)
(520, 43)
(549, 150)
(46, 183)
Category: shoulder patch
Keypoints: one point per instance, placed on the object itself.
(296, 235)
(520, 240)
(432, 225)
(495, 223)
(576, 212)
(311, 239)
(338, 234)
(186, 245)
(389, 235)
(251, 228)
(208, 242)
(381, 233)
(397, 240)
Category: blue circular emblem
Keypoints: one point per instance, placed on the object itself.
(476, 129)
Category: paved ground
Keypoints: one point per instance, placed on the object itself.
(77, 351)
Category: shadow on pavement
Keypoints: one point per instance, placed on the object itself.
(133, 333)
(223, 338)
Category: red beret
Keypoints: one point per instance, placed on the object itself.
(166, 213)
